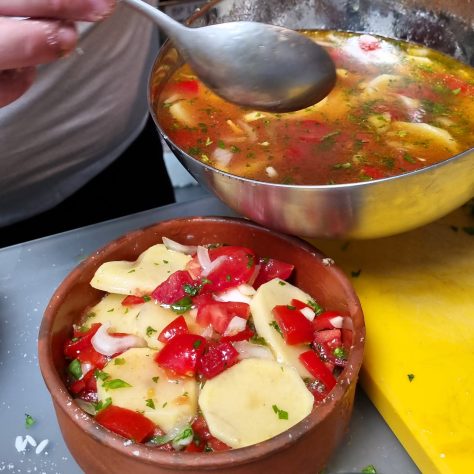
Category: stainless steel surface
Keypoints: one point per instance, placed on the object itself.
(361, 210)
(262, 66)
(29, 274)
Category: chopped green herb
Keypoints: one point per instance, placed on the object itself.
(256, 339)
(411, 377)
(191, 290)
(101, 405)
(132, 271)
(356, 273)
(185, 394)
(197, 343)
(315, 307)
(146, 298)
(75, 369)
(194, 150)
(282, 283)
(456, 91)
(409, 158)
(282, 414)
(164, 404)
(340, 353)
(29, 421)
(119, 361)
(182, 305)
(369, 469)
(110, 310)
(165, 261)
(205, 281)
(114, 384)
(228, 278)
(208, 141)
(234, 149)
(342, 166)
(150, 331)
(99, 375)
(290, 307)
(275, 326)
(150, 403)
(205, 158)
(155, 379)
(220, 144)
(250, 261)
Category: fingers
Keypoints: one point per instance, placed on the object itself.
(27, 43)
(15, 83)
(86, 10)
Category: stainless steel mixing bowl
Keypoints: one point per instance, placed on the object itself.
(361, 210)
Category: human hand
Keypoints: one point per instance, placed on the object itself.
(46, 34)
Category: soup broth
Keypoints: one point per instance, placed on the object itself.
(396, 107)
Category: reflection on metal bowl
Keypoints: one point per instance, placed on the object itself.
(361, 210)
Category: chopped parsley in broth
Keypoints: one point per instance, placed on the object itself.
(396, 107)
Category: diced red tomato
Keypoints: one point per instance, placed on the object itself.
(217, 445)
(219, 314)
(175, 327)
(369, 43)
(87, 382)
(295, 327)
(271, 268)
(244, 335)
(218, 358)
(181, 354)
(201, 431)
(323, 321)
(452, 82)
(127, 423)
(132, 300)
(318, 369)
(237, 268)
(91, 356)
(196, 446)
(188, 88)
(202, 300)
(326, 342)
(72, 348)
(172, 289)
(299, 304)
(373, 172)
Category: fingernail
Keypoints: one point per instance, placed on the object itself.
(101, 9)
(67, 37)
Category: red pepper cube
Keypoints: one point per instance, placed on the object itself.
(318, 369)
(218, 358)
(127, 423)
(173, 288)
(181, 354)
(175, 327)
(271, 268)
(295, 327)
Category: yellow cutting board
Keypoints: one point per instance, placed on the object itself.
(417, 293)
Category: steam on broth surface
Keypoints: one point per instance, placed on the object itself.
(396, 107)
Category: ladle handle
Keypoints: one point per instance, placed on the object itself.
(167, 24)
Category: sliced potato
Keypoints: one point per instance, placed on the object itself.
(145, 320)
(141, 277)
(168, 402)
(278, 292)
(254, 401)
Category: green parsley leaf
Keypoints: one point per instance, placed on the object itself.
(132, 271)
(234, 149)
(275, 326)
(456, 91)
(409, 158)
(290, 307)
(146, 298)
(256, 339)
(197, 343)
(155, 379)
(150, 331)
(99, 375)
(182, 305)
(114, 384)
(75, 369)
(102, 404)
(282, 414)
(339, 353)
(282, 283)
(251, 260)
(150, 403)
(315, 307)
(191, 290)
(369, 469)
(411, 377)
(119, 361)
(29, 421)
(220, 144)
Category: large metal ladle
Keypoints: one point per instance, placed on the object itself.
(252, 64)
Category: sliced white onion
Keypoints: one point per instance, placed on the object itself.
(177, 247)
(234, 295)
(235, 326)
(254, 276)
(308, 313)
(222, 156)
(108, 345)
(247, 289)
(205, 261)
(85, 367)
(337, 322)
(247, 350)
(207, 332)
(271, 172)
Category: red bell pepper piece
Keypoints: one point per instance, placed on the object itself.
(181, 354)
(219, 314)
(172, 289)
(295, 327)
(177, 326)
(127, 423)
(271, 268)
(132, 300)
(218, 358)
(318, 369)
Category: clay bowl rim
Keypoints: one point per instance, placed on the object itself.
(181, 460)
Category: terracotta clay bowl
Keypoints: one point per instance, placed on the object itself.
(305, 448)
